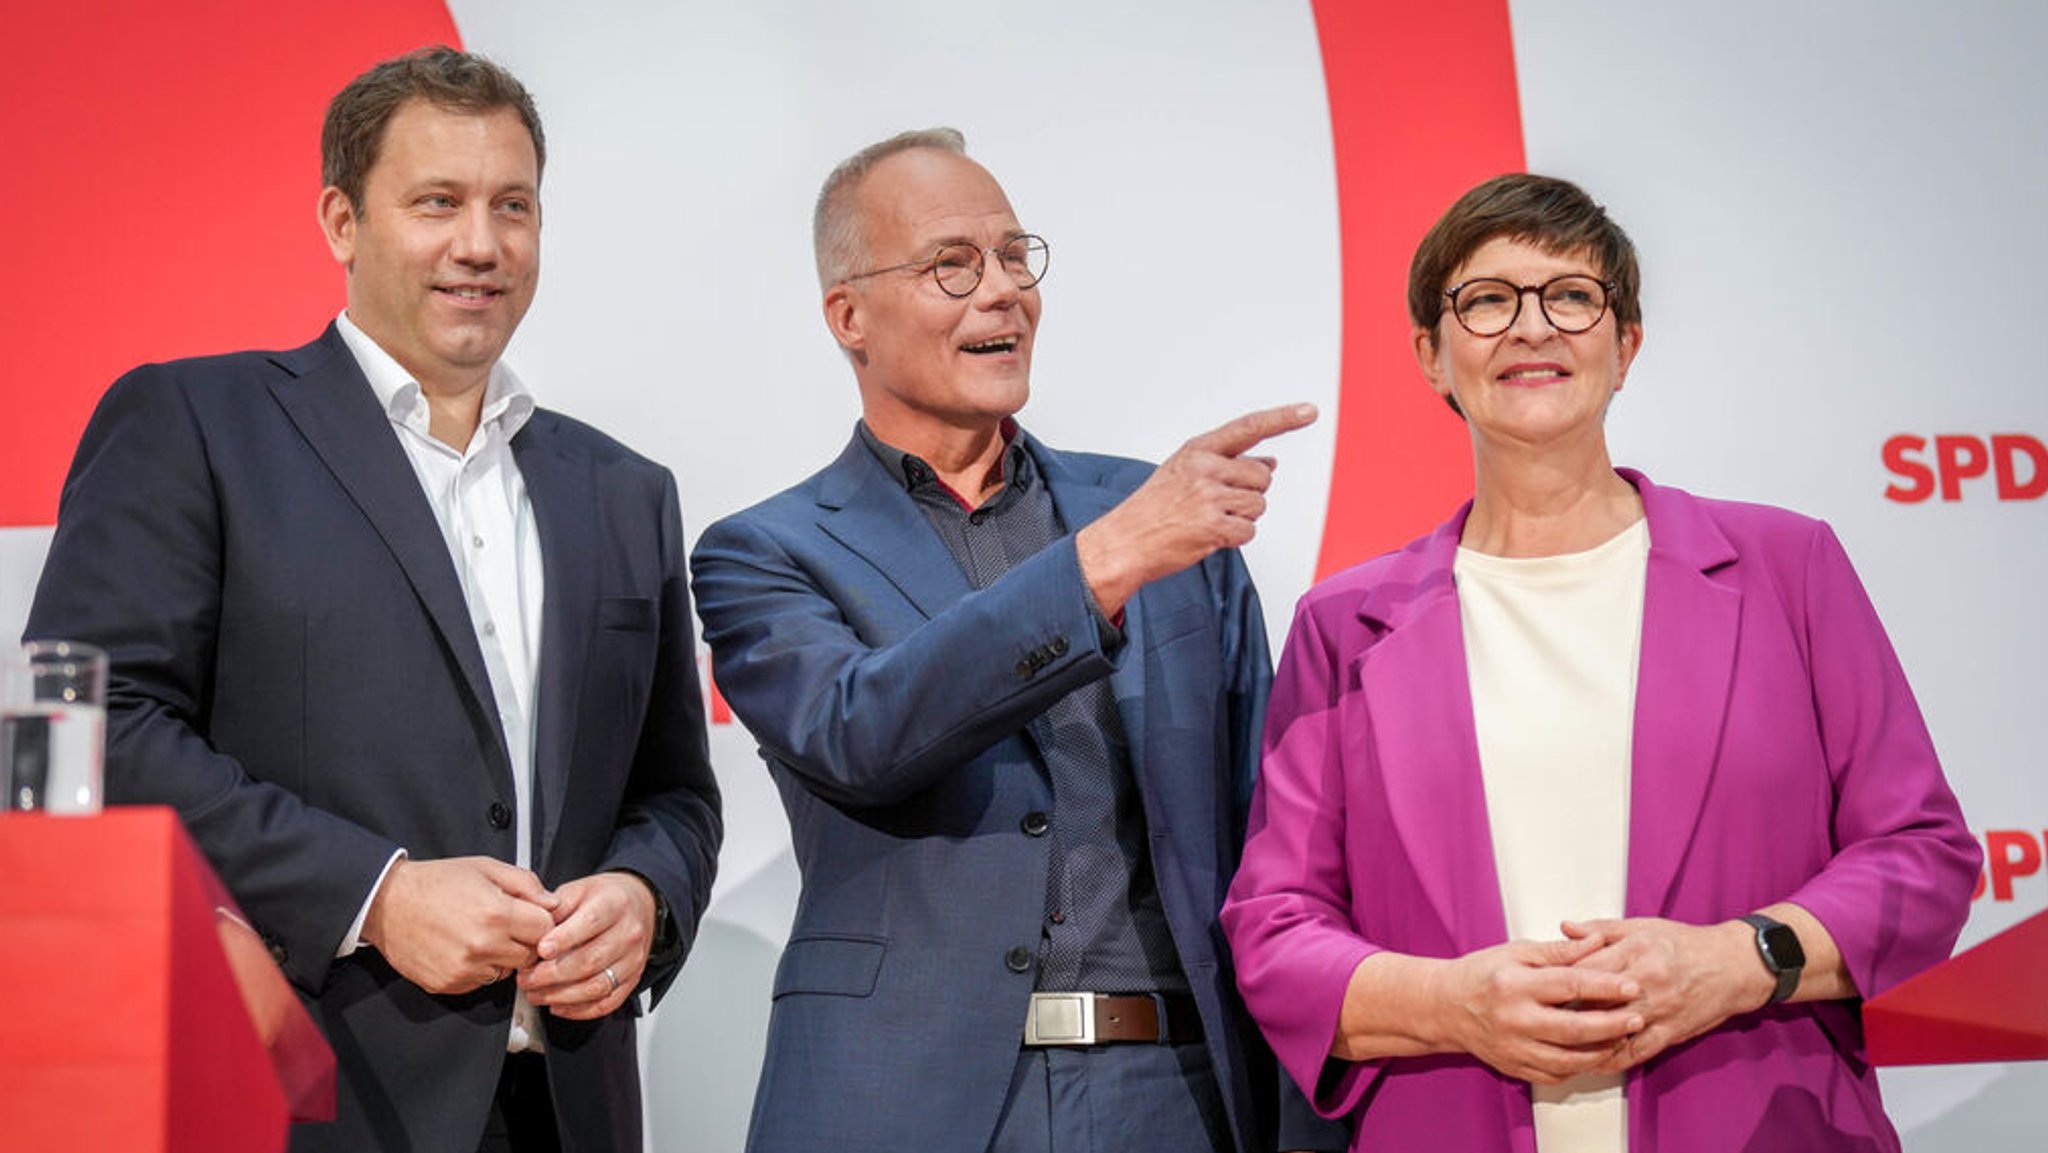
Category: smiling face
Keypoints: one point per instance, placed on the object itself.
(1531, 384)
(443, 253)
(932, 365)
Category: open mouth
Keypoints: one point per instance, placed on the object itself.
(1533, 374)
(994, 347)
(468, 292)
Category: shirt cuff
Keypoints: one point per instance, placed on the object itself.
(1109, 630)
(353, 939)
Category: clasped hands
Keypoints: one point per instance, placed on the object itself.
(1607, 997)
(458, 924)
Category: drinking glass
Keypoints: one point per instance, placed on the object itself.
(53, 734)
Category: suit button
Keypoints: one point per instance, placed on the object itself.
(1024, 670)
(1018, 959)
(500, 816)
(1059, 646)
(1035, 823)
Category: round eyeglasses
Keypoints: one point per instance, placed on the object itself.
(958, 267)
(1489, 306)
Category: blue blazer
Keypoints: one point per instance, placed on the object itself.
(894, 705)
(294, 669)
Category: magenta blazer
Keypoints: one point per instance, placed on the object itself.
(1778, 755)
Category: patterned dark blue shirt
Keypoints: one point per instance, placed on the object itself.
(1105, 930)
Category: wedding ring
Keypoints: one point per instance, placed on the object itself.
(613, 978)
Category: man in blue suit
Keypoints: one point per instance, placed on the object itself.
(411, 657)
(1011, 698)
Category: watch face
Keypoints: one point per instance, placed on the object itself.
(1781, 945)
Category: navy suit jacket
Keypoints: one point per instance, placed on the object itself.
(295, 670)
(894, 705)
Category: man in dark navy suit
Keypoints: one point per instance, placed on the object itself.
(411, 657)
(1011, 698)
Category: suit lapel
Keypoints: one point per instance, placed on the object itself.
(1422, 738)
(867, 510)
(1690, 623)
(331, 404)
(564, 496)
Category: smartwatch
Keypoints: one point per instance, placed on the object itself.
(1779, 947)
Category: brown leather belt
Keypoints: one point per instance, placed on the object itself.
(1100, 1019)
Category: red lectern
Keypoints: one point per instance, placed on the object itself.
(143, 1015)
(1988, 1003)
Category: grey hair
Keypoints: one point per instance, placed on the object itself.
(836, 236)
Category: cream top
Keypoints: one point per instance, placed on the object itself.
(1551, 645)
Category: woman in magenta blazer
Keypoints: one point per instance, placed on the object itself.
(1584, 821)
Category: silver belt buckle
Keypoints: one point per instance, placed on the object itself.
(1060, 1019)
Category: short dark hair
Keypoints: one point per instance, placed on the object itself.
(450, 80)
(1555, 215)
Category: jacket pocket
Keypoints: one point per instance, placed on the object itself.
(840, 966)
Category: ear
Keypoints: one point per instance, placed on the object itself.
(845, 317)
(338, 223)
(1630, 339)
(1429, 357)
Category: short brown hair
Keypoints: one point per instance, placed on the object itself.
(1554, 215)
(441, 76)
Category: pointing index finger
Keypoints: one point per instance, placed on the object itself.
(1240, 434)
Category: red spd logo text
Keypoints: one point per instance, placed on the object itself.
(2009, 855)
(2016, 463)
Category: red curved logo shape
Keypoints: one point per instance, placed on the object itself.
(157, 199)
(1422, 107)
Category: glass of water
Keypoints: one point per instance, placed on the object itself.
(53, 729)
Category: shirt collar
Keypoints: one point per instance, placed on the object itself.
(507, 401)
(913, 473)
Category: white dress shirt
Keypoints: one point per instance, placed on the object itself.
(479, 499)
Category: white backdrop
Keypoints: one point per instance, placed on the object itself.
(1838, 206)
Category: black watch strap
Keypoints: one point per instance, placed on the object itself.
(1780, 950)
